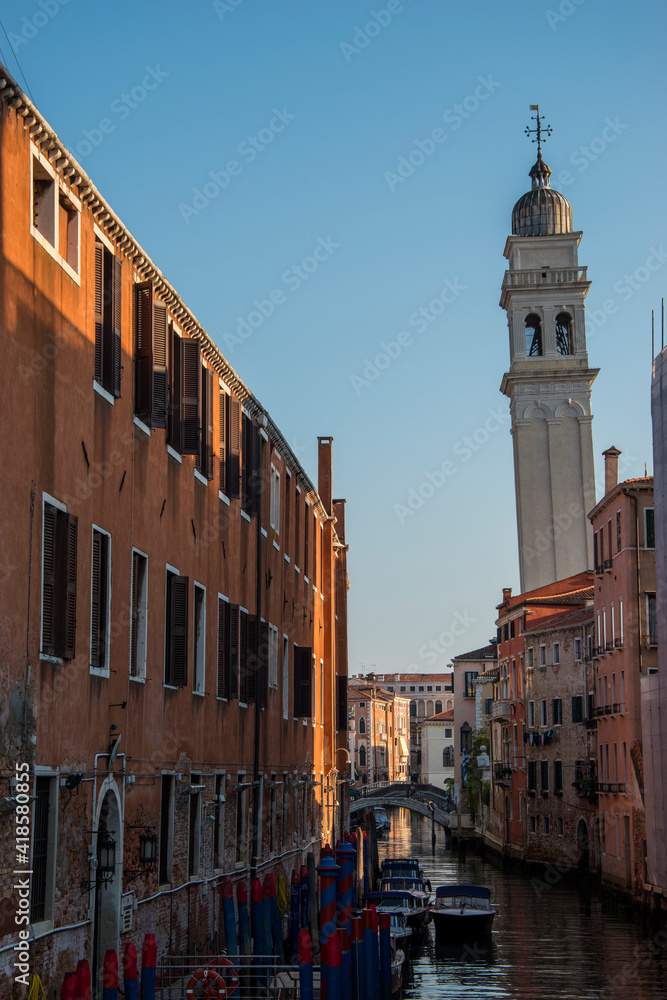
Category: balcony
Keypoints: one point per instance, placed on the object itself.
(502, 774)
(556, 276)
(612, 787)
(502, 710)
(599, 570)
(608, 646)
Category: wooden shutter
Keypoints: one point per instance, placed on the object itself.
(342, 702)
(263, 671)
(190, 395)
(233, 447)
(160, 377)
(49, 522)
(254, 482)
(96, 651)
(116, 314)
(178, 631)
(233, 659)
(174, 409)
(243, 656)
(303, 656)
(70, 523)
(208, 424)
(223, 648)
(251, 664)
(143, 350)
(222, 439)
(99, 310)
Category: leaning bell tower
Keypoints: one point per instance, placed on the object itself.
(549, 382)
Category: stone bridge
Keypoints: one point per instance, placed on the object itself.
(427, 800)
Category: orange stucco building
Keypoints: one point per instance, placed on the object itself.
(173, 590)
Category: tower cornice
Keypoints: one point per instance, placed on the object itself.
(548, 382)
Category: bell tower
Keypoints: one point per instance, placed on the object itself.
(549, 382)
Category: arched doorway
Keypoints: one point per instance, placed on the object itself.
(107, 895)
(583, 845)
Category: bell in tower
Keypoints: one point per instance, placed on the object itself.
(549, 382)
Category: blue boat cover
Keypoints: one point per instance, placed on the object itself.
(463, 890)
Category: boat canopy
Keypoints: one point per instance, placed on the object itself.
(391, 896)
(462, 890)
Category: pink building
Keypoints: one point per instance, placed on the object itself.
(624, 646)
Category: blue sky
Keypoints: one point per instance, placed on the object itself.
(303, 109)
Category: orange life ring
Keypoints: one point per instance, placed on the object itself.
(231, 978)
(212, 983)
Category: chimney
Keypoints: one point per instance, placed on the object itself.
(324, 471)
(610, 468)
(507, 593)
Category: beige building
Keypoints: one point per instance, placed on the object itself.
(436, 743)
(378, 733)
(467, 668)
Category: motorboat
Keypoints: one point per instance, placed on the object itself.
(412, 905)
(462, 912)
(398, 926)
(403, 884)
(405, 868)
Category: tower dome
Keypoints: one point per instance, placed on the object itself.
(541, 211)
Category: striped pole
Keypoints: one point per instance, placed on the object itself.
(267, 885)
(345, 965)
(244, 923)
(228, 915)
(369, 969)
(110, 976)
(305, 892)
(130, 980)
(327, 870)
(83, 972)
(258, 945)
(375, 956)
(148, 965)
(365, 848)
(385, 955)
(276, 934)
(355, 868)
(305, 965)
(334, 960)
(294, 913)
(345, 856)
(357, 956)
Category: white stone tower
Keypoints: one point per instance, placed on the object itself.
(549, 384)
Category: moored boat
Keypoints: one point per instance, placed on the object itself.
(416, 913)
(462, 912)
(382, 821)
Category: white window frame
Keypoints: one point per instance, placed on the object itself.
(221, 597)
(52, 502)
(531, 714)
(59, 189)
(577, 650)
(274, 509)
(40, 771)
(273, 657)
(530, 654)
(199, 643)
(101, 671)
(140, 675)
(556, 653)
(167, 570)
(543, 712)
(197, 839)
(543, 655)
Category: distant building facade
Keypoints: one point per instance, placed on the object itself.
(467, 667)
(378, 733)
(436, 742)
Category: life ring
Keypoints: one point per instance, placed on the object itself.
(231, 976)
(212, 984)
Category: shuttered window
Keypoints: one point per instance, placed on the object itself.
(39, 889)
(108, 301)
(223, 687)
(59, 547)
(176, 632)
(222, 440)
(151, 385)
(341, 681)
(233, 448)
(250, 471)
(138, 621)
(303, 681)
(204, 459)
(99, 600)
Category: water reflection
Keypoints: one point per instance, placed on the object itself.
(552, 939)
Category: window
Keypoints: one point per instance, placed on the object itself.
(273, 656)
(469, 683)
(622, 690)
(529, 656)
(448, 757)
(412, 687)
(199, 648)
(531, 714)
(165, 860)
(466, 738)
(139, 614)
(297, 527)
(578, 708)
(194, 828)
(448, 734)
(59, 542)
(560, 824)
(275, 501)
(230, 446)
(55, 221)
(362, 756)
(577, 649)
(620, 619)
(556, 652)
(44, 833)
(285, 677)
(543, 712)
(250, 470)
(558, 776)
(546, 824)
(651, 610)
(533, 335)
(204, 453)
(564, 339)
(488, 706)
(532, 775)
(100, 592)
(151, 383)
(544, 775)
(557, 711)
(228, 649)
(176, 630)
(341, 701)
(306, 542)
(303, 682)
(429, 687)
(543, 656)
(618, 531)
(403, 687)
(413, 709)
(288, 508)
(649, 528)
(505, 632)
(108, 288)
(438, 707)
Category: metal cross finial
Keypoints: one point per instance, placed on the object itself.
(541, 132)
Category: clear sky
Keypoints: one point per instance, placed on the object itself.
(303, 110)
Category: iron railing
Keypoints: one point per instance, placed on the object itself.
(259, 977)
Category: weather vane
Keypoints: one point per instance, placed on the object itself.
(540, 131)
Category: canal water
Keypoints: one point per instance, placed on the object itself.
(550, 941)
